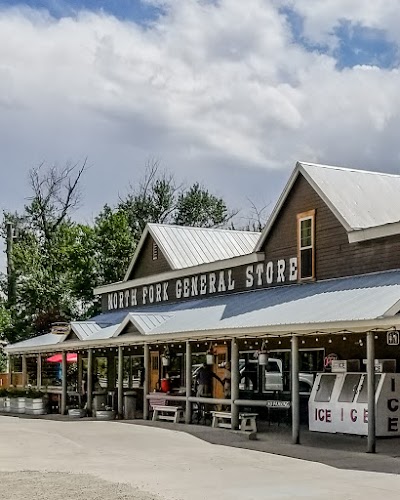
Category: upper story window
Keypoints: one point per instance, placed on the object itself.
(306, 244)
(155, 251)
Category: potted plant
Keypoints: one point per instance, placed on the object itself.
(3, 399)
(76, 411)
(35, 402)
(17, 400)
(105, 413)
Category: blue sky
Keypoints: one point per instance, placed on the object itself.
(135, 10)
(230, 93)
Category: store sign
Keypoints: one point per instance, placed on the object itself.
(253, 276)
(393, 338)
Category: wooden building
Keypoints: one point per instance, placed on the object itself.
(322, 281)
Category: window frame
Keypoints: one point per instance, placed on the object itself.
(309, 215)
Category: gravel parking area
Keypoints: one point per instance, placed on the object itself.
(59, 486)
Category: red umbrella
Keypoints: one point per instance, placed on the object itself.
(72, 357)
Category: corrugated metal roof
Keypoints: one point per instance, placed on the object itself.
(147, 322)
(104, 333)
(84, 329)
(48, 339)
(363, 199)
(367, 297)
(191, 246)
(185, 247)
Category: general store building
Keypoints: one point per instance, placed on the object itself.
(320, 283)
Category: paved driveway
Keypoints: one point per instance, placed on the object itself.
(170, 464)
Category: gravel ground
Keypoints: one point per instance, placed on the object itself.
(60, 486)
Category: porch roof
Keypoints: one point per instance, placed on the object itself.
(344, 303)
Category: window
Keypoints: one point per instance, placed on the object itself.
(155, 251)
(306, 248)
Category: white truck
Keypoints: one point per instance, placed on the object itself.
(273, 376)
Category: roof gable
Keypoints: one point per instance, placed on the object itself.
(185, 247)
(354, 197)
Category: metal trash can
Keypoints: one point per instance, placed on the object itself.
(99, 402)
(130, 405)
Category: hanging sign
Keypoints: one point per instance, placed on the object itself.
(393, 338)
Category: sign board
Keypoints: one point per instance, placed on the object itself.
(393, 338)
(275, 403)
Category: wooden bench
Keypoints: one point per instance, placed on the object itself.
(224, 419)
(171, 413)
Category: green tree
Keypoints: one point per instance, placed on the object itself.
(198, 207)
(114, 244)
(53, 258)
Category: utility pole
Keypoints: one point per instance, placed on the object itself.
(10, 265)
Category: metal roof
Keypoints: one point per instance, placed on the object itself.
(147, 322)
(349, 300)
(185, 247)
(84, 329)
(48, 339)
(362, 201)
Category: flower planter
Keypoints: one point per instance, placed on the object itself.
(35, 406)
(263, 358)
(210, 358)
(17, 405)
(76, 413)
(105, 414)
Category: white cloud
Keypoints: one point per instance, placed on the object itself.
(210, 88)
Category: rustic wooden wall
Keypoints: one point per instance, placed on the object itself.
(145, 265)
(335, 256)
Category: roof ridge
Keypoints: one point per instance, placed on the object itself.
(348, 169)
(176, 226)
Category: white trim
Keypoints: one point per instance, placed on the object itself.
(187, 271)
(372, 233)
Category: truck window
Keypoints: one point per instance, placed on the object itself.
(273, 367)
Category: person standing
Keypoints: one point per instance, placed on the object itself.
(204, 380)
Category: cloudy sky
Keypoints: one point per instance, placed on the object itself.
(228, 92)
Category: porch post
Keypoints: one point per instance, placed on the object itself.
(188, 414)
(295, 391)
(79, 374)
(24, 371)
(371, 391)
(120, 381)
(64, 383)
(146, 381)
(39, 371)
(89, 385)
(10, 370)
(234, 383)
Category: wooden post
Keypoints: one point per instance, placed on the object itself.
(235, 379)
(64, 383)
(39, 371)
(120, 382)
(295, 391)
(89, 385)
(24, 371)
(188, 414)
(146, 381)
(371, 392)
(10, 370)
(79, 374)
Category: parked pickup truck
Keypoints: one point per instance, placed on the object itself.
(273, 376)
